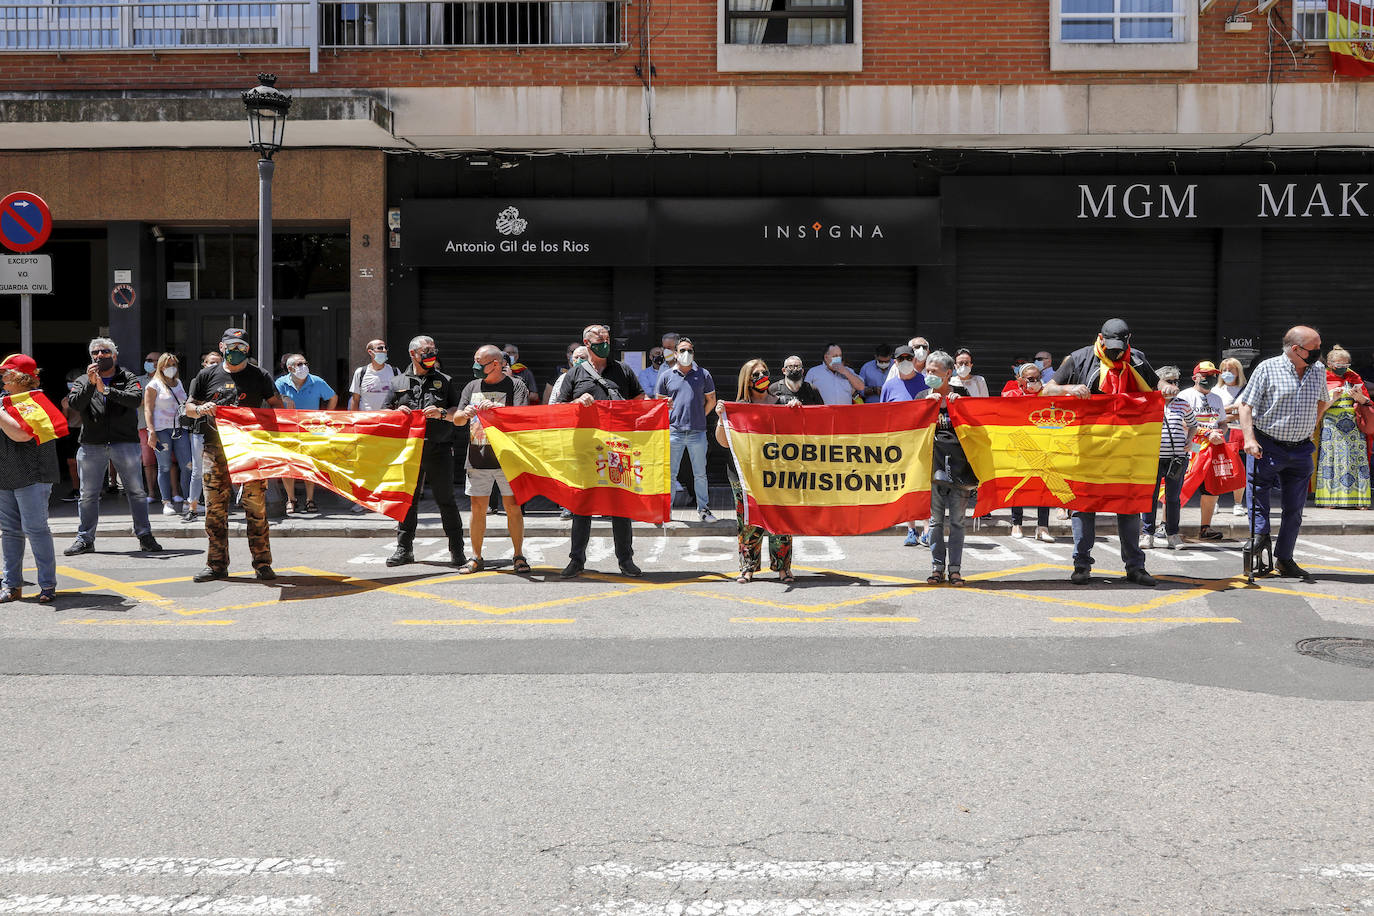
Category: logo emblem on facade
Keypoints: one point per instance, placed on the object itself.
(508, 222)
(619, 465)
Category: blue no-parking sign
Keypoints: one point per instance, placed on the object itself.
(25, 221)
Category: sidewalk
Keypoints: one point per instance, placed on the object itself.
(335, 519)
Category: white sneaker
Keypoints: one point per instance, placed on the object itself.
(1238, 511)
(168, 510)
(1175, 542)
(1147, 542)
(1016, 532)
(1043, 534)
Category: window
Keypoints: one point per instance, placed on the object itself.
(219, 265)
(789, 22)
(1311, 23)
(1309, 20)
(1122, 21)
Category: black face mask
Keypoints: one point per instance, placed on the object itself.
(1304, 354)
(657, 361)
(104, 363)
(1208, 382)
(1340, 370)
(1115, 353)
(794, 375)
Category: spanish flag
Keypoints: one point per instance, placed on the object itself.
(1093, 455)
(370, 457)
(36, 415)
(833, 470)
(1352, 20)
(607, 459)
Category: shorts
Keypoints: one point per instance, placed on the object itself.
(480, 481)
(146, 450)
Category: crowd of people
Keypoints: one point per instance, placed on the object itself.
(156, 433)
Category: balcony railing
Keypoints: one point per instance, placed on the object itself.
(1352, 21)
(309, 25)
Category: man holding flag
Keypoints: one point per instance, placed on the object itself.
(28, 469)
(235, 382)
(1108, 366)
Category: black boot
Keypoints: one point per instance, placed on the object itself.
(403, 554)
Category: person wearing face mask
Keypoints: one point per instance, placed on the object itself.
(1179, 426)
(27, 472)
(521, 371)
(794, 387)
(692, 391)
(490, 388)
(952, 479)
(1232, 383)
(754, 388)
(920, 347)
(1342, 458)
(110, 400)
(232, 381)
(569, 363)
(146, 440)
(648, 376)
(906, 385)
(600, 378)
(374, 381)
(975, 385)
(1110, 365)
(430, 391)
(1280, 410)
(1212, 430)
(837, 383)
(1045, 360)
(300, 390)
(1027, 384)
(161, 401)
(874, 373)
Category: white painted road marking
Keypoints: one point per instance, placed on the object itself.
(149, 905)
(798, 907)
(167, 865)
(792, 871)
(1362, 871)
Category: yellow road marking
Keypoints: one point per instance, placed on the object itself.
(122, 589)
(159, 582)
(481, 621)
(1145, 619)
(825, 619)
(1292, 591)
(154, 623)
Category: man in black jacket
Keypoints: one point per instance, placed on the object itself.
(424, 388)
(110, 400)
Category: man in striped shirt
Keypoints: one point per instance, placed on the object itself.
(1279, 410)
(1180, 423)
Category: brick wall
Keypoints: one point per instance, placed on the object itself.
(931, 42)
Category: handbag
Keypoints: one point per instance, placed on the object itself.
(1364, 419)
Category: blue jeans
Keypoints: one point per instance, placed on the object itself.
(193, 491)
(1288, 467)
(1173, 490)
(694, 440)
(947, 500)
(128, 461)
(24, 514)
(1085, 536)
(180, 446)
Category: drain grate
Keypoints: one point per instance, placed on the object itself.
(1343, 650)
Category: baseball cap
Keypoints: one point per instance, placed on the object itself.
(234, 335)
(903, 350)
(1206, 368)
(20, 363)
(1114, 333)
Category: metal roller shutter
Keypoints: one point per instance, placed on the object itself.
(1020, 292)
(736, 314)
(1317, 278)
(541, 311)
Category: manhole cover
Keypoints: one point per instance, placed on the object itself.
(1344, 650)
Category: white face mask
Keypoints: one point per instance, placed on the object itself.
(921, 353)
(300, 372)
(964, 371)
(906, 368)
(170, 372)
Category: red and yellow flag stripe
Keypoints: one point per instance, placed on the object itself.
(37, 415)
(370, 457)
(1352, 20)
(607, 459)
(1090, 455)
(833, 470)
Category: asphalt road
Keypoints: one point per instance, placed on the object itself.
(353, 739)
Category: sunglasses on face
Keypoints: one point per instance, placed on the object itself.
(242, 347)
(758, 374)
(686, 350)
(102, 351)
(378, 349)
(905, 359)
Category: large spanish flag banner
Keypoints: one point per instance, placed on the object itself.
(1352, 20)
(607, 459)
(833, 470)
(1098, 454)
(36, 415)
(370, 457)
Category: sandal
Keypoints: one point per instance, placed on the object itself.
(955, 579)
(47, 596)
(746, 576)
(310, 506)
(471, 566)
(11, 594)
(935, 578)
(786, 578)
(292, 508)
(520, 564)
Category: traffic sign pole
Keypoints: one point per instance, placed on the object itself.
(26, 323)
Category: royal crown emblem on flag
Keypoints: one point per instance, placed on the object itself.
(618, 463)
(1053, 417)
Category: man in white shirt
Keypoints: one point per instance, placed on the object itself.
(836, 382)
(1211, 430)
(373, 382)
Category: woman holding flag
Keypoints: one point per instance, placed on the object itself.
(28, 469)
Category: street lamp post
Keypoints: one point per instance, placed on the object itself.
(267, 108)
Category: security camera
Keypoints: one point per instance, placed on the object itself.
(157, 233)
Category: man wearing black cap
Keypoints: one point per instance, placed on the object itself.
(1109, 366)
(232, 383)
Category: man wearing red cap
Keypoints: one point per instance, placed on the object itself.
(1211, 430)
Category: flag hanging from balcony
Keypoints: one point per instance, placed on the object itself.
(833, 470)
(1352, 21)
(370, 457)
(610, 458)
(1090, 455)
